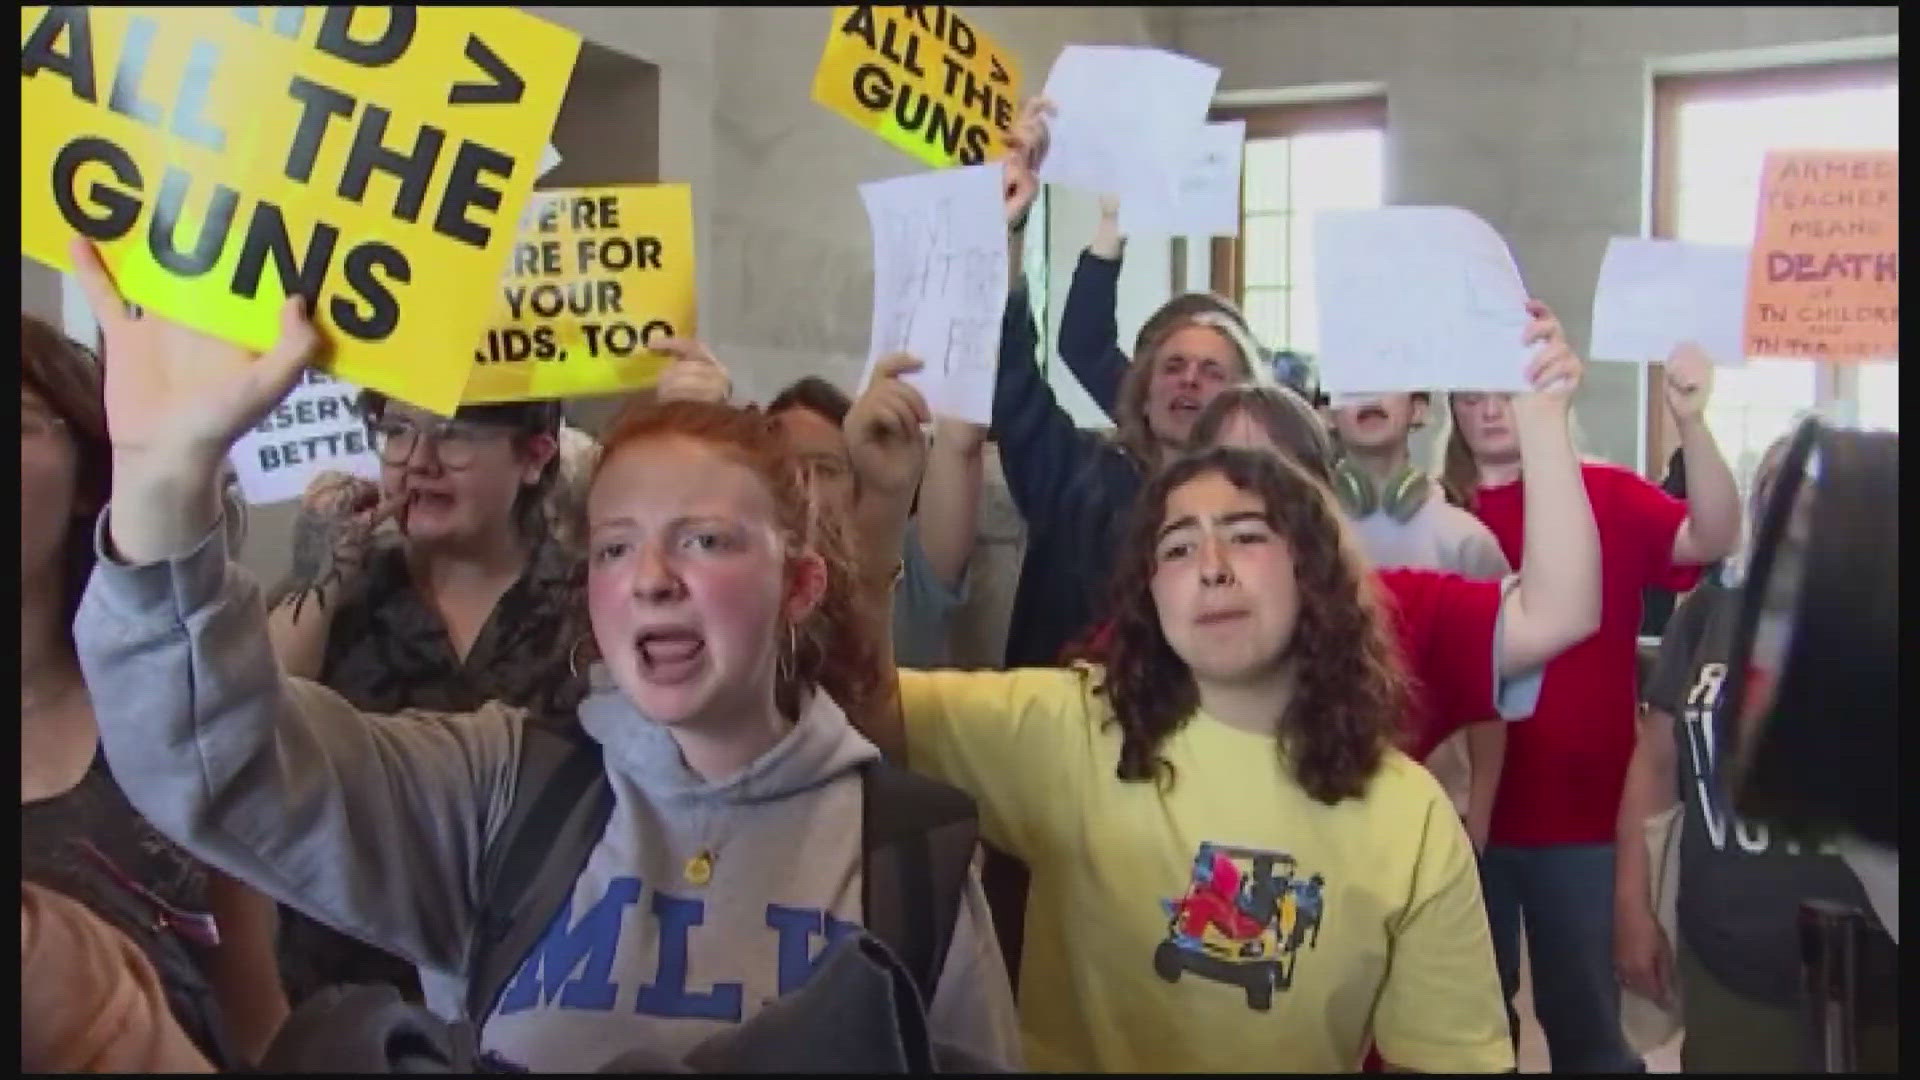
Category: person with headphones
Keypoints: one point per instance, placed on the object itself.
(1402, 519)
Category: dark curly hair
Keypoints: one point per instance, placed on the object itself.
(832, 647)
(1349, 691)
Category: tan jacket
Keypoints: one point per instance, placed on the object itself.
(89, 1000)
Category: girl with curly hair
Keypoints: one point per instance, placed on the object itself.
(1233, 867)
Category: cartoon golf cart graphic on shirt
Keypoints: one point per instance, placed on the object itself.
(1244, 916)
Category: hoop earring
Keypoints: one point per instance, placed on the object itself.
(573, 655)
(785, 665)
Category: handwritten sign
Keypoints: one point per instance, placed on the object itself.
(597, 274)
(317, 427)
(371, 159)
(1655, 294)
(1128, 122)
(1207, 199)
(940, 283)
(1825, 279)
(921, 77)
(1417, 298)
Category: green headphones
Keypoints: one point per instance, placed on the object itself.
(1401, 497)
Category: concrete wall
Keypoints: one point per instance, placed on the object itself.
(1537, 119)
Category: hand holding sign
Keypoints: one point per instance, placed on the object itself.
(694, 374)
(883, 429)
(1027, 148)
(1689, 374)
(176, 400)
(1556, 370)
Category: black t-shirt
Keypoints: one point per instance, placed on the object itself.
(1740, 887)
(62, 842)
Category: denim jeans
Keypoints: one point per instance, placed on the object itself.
(1564, 895)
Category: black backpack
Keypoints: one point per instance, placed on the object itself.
(917, 841)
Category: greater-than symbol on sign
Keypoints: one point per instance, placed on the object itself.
(506, 88)
(999, 72)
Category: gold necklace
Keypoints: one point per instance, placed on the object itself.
(699, 869)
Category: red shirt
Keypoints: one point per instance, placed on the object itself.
(1443, 624)
(1565, 766)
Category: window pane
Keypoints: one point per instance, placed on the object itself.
(1266, 311)
(1720, 145)
(1880, 396)
(1264, 184)
(1300, 249)
(1752, 406)
(1337, 170)
(1264, 257)
(1304, 322)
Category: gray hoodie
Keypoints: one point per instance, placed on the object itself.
(376, 826)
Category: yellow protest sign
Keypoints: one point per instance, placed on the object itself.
(922, 78)
(373, 160)
(1824, 282)
(597, 274)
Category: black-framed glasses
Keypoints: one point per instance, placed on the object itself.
(456, 442)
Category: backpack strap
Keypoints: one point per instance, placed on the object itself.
(561, 802)
(917, 839)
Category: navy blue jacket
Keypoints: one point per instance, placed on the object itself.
(1089, 337)
(1073, 487)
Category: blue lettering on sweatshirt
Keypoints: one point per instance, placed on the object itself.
(797, 928)
(668, 996)
(572, 965)
(594, 939)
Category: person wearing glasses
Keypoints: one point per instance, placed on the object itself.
(441, 587)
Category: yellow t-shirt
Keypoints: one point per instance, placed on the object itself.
(1228, 924)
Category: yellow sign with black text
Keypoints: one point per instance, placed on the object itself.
(373, 160)
(597, 274)
(922, 78)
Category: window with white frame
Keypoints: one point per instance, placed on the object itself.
(1711, 134)
(1299, 160)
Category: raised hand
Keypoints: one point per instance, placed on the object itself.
(1556, 370)
(1026, 149)
(332, 538)
(176, 400)
(176, 396)
(1689, 382)
(694, 375)
(883, 430)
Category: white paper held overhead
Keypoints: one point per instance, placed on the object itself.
(316, 428)
(1655, 294)
(1417, 298)
(1207, 201)
(940, 283)
(1126, 124)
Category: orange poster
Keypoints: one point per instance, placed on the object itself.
(1825, 279)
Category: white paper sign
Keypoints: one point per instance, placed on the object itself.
(1127, 122)
(940, 283)
(1207, 201)
(314, 429)
(1655, 294)
(1417, 298)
